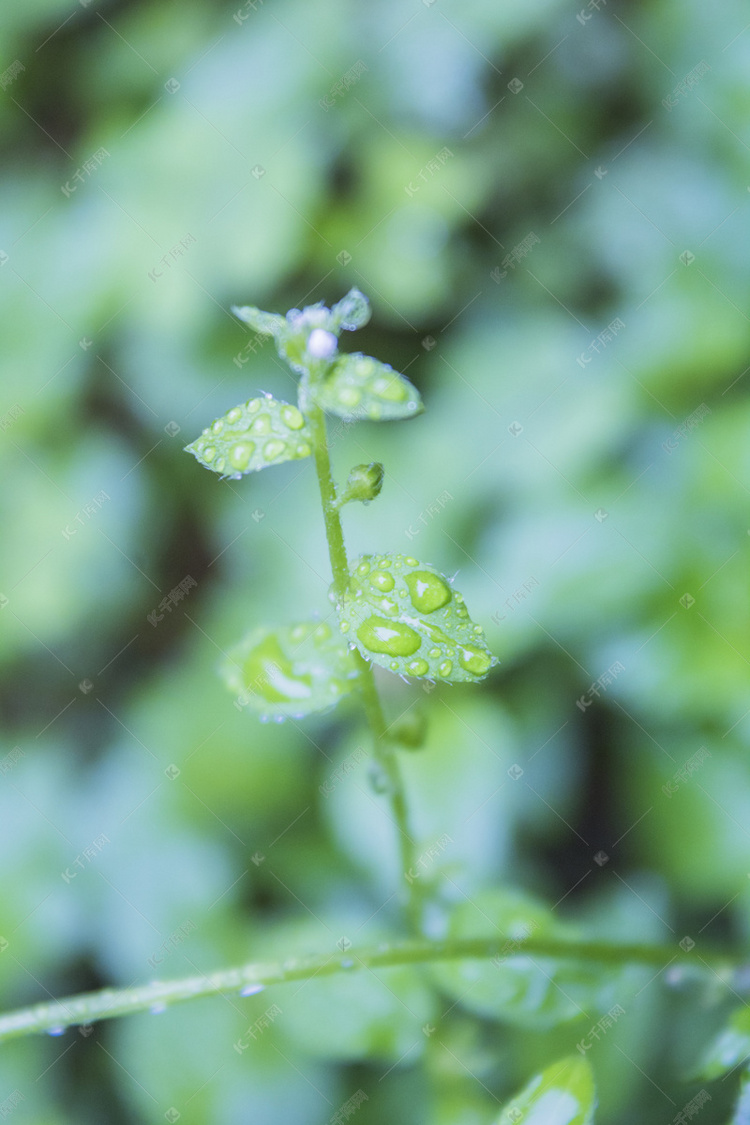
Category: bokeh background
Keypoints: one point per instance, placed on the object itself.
(547, 206)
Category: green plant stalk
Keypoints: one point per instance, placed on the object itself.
(89, 1007)
(383, 749)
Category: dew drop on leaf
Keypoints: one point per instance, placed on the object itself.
(391, 638)
(273, 449)
(252, 989)
(240, 454)
(261, 424)
(382, 580)
(427, 591)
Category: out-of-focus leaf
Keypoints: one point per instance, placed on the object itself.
(251, 437)
(530, 991)
(562, 1094)
(741, 1114)
(362, 1016)
(406, 616)
(268, 324)
(292, 670)
(729, 1048)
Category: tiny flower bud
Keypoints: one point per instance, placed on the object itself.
(364, 483)
(321, 344)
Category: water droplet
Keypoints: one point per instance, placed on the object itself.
(375, 412)
(428, 591)
(386, 605)
(234, 414)
(158, 1008)
(56, 1030)
(220, 464)
(411, 561)
(418, 667)
(435, 653)
(261, 424)
(344, 626)
(251, 989)
(254, 405)
(378, 778)
(208, 453)
(445, 668)
(388, 637)
(217, 426)
(363, 568)
(273, 448)
(304, 449)
(292, 417)
(382, 580)
(478, 629)
(392, 390)
(394, 665)
(240, 454)
(349, 396)
(474, 659)
(385, 561)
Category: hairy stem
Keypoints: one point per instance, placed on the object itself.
(383, 749)
(88, 1007)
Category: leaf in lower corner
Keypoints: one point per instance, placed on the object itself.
(359, 388)
(250, 437)
(741, 1114)
(729, 1048)
(290, 671)
(406, 616)
(562, 1094)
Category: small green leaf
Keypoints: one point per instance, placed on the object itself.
(351, 312)
(563, 1094)
(730, 1047)
(406, 616)
(290, 671)
(251, 437)
(358, 387)
(531, 992)
(268, 324)
(741, 1114)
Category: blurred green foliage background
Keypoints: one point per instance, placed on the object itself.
(587, 418)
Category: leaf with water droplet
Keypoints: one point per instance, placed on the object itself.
(252, 436)
(562, 1094)
(406, 616)
(290, 671)
(351, 312)
(357, 387)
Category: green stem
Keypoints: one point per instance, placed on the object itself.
(89, 1007)
(383, 749)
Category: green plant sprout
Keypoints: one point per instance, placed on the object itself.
(392, 609)
(503, 955)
